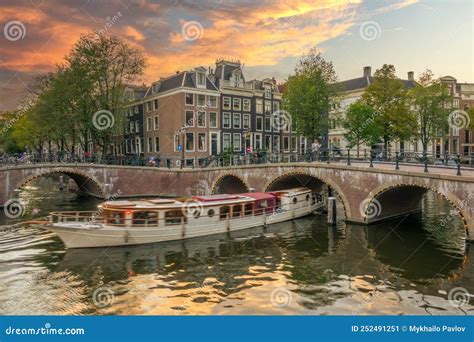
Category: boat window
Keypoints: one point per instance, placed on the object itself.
(174, 217)
(236, 210)
(308, 197)
(145, 217)
(115, 217)
(248, 209)
(211, 212)
(295, 200)
(224, 212)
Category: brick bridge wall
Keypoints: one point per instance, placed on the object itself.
(386, 193)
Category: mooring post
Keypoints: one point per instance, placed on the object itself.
(332, 210)
(61, 183)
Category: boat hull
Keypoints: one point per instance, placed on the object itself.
(77, 237)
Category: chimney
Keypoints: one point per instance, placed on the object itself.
(411, 76)
(367, 71)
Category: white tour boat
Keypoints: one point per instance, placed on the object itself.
(120, 223)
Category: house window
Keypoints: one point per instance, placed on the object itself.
(136, 110)
(259, 106)
(157, 144)
(150, 145)
(201, 119)
(259, 122)
(236, 123)
(226, 120)
(137, 126)
(189, 118)
(190, 142)
(226, 103)
(148, 124)
(236, 104)
(276, 106)
(302, 145)
(148, 106)
(276, 143)
(189, 99)
(258, 142)
(246, 105)
(201, 141)
(176, 142)
(268, 92)
(286, 144)
(268, 107)
(268, 142)
(132, 126)
(294, 145)
(213, 101)
(268, 124)
(155, 104)
(212, 120)
(237, 142)
(226, 141)
(246, 121)
(201, 100)
(156, 122)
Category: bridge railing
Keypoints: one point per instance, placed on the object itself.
(334, 155)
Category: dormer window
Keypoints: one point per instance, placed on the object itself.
(201, 79)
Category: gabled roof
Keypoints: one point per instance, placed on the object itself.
(182, 79)
(364, 82)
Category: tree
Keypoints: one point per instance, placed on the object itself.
(428, 99)
(388, 97)
(310, 94)
(360, 126)
(102, 66)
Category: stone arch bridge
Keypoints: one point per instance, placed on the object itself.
(366, 194)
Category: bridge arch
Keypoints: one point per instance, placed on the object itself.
(229, 184)
(380, 206)
(311, 181)
(86, 184)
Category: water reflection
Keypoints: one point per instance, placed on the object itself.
(398, 267)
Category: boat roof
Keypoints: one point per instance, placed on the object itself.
(212, 200)
(260, 195)
(158, 203)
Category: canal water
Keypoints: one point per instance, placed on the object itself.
(414, 265)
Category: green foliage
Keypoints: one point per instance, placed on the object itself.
(388, 97)
(360, 125)
(310, 94)
(428, 102)
(62, 104)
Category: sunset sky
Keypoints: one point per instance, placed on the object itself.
(267, 36)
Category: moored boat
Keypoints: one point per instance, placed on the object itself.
(120, 223)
